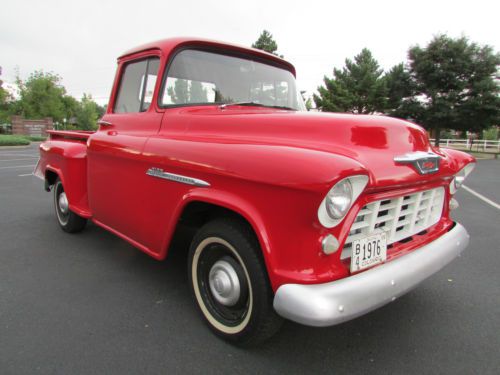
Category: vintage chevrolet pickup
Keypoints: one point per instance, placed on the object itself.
(314, 217)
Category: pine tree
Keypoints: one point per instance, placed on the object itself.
(358, 88)
(267, 43)
(402, 101)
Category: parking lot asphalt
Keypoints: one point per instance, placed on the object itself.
(92, 304)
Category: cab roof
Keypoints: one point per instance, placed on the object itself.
(167, 46)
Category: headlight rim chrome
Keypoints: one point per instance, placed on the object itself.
(337, 212)
(358, 184)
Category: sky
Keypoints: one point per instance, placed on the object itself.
(80, 40)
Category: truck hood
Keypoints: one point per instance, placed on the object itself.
(372, 141)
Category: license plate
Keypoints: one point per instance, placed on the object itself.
(368, 251)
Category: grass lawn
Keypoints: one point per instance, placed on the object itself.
(482, 155)
(18, 140)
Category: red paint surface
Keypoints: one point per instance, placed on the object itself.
(271, 166)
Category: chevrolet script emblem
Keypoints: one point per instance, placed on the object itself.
(424, 162)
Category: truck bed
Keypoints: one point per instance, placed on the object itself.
(70, 134)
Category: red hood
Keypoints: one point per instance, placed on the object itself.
(373, 141)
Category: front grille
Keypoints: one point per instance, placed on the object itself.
(400, 217)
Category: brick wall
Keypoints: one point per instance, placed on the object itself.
(24, 126)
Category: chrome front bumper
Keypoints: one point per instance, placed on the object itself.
(341, 300)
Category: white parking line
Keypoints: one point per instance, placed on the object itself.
(482, 197)
(34, 157)
(16, 154)
(24, 175)
(18, 166)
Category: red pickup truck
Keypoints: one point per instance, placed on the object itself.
(314, 217)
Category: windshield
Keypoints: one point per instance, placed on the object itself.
(200, 77)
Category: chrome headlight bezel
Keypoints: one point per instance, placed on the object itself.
(356, 184)
(339, 199)
(460, 177)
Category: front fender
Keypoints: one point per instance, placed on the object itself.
(276, 188)
(457, 159)
(285, 223)
(234, 203)
(269, 164)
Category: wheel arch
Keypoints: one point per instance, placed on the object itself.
(51, 176)
(199, 208)
(75, 189)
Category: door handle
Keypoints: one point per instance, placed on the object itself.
(104, 123)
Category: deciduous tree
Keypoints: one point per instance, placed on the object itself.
(42, 95)
(87, 113)
(4, 106)
(456, 85)
(71, 106)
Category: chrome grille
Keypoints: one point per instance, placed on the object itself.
(400, 217)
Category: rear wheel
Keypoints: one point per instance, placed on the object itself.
(230, 283)
(67, 219)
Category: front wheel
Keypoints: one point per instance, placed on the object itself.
(230, 283)
(67, 219)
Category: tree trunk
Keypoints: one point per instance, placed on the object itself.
(437, 138)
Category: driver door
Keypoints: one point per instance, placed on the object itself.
(116, 169)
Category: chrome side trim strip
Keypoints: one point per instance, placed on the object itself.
(160, 173)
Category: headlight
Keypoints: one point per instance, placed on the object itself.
(459, 178)
(340, 199)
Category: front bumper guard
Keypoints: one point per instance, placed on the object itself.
(338, 301)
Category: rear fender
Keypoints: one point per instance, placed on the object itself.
(68, 159)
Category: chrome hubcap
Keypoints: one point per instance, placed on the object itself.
(224, 283)
(63, 203)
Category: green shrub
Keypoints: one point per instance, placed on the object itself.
(13, 140)
(491, 134)
(36, 138)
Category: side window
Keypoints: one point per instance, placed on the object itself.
(150, 77)
(137, 84)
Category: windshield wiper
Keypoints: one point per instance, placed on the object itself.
(281, 107)
(255, 104)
